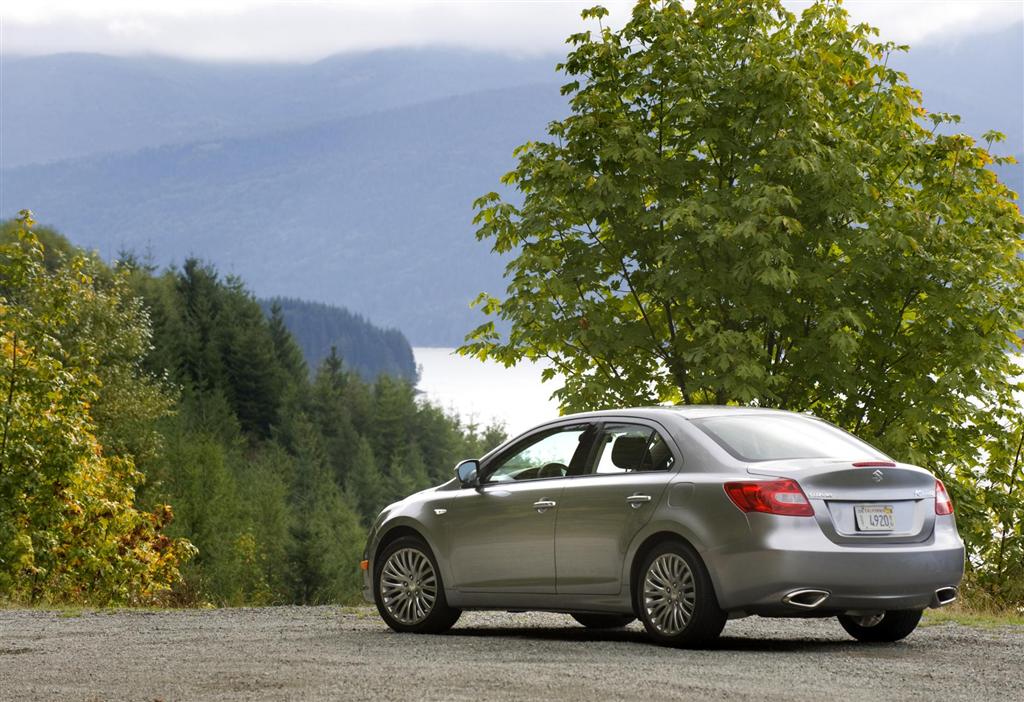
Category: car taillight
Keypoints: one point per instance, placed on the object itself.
(770, 496)
(943, 505)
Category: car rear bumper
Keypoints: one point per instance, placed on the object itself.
(879, 577)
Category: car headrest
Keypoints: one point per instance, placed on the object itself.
(628, 451)
(661, 457)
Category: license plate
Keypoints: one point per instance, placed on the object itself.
(875, 517)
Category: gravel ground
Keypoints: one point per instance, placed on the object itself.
(285, 653)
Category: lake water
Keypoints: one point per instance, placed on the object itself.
(484, 391)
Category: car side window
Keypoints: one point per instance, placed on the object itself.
(553, 454)
(624, 448)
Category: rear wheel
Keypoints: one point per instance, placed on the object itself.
(604, 621)
(408, 590)
(675, 597)
(885, 627)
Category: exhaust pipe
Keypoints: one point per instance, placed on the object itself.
(944, 596)
(806, 599)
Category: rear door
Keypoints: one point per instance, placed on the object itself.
(601, 511)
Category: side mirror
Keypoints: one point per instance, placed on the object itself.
(468, 473)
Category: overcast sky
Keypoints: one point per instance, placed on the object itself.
(259, 30)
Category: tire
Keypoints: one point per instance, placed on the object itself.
(604, 621)
(673, 578)
(893, 626)
(415, 601)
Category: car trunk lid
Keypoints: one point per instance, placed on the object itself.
(862, 501)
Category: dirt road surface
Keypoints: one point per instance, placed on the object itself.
(321, 653)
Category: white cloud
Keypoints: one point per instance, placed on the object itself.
(289, 31)
(918, 21)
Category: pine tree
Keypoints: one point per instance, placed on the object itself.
(394, 411)
(287, 352)
(329, 408)
(366, 483)
(268, 520)
(327, 536)
(203, 489)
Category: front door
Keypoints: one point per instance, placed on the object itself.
(502, 537)
(599, 513)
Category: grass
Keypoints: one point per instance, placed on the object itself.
(68, 610)
(967, 615)
(360, 612)
(962, 613)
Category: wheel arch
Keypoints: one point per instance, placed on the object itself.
(407, 526)
(650, 539)
(393, 534)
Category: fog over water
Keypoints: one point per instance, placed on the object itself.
(486, 391)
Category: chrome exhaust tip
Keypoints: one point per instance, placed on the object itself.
(806, 599)
(945, 596)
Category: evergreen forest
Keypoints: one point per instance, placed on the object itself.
(165, 442)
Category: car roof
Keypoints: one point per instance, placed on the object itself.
(676, 411)
(660, 413)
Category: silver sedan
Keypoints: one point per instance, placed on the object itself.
(680, 517)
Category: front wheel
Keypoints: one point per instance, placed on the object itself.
(604, 621)
(885, 627)
(408, 590)
(675, 597)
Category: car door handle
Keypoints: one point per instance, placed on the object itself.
(544, 505)
(637, 501)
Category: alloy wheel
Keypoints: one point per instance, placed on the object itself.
(869, 620)
(408, 586)
(670, 595)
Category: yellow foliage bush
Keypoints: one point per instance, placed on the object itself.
(70, 529)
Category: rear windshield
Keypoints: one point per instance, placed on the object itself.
(765, 437)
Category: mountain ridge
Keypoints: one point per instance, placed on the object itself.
(232, 200)
(368, 209)
(153, 100)
(319, 328)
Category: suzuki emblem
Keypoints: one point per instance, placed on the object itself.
(877, 476)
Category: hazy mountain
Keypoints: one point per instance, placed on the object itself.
(71, 105)
(367, 349)
(348, 181)
(371, 212)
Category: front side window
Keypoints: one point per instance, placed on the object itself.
(771, 437)
(624, 448)
(553, 454)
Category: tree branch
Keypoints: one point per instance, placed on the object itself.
(10, 402)
(1009, 493)
(632, 290)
